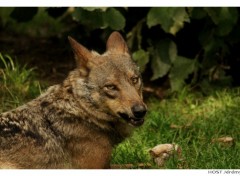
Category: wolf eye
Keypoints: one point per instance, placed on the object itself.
(111, 87)
(135, 80)
(111, 91)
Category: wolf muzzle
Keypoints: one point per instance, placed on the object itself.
(138, 111)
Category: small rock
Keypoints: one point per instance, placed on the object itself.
(162, 152)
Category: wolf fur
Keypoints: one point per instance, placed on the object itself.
(77, 123)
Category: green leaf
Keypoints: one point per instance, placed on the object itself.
(141, 57)
(100, 19)
(182, 67)
(165, 53)
(92, 19)
(171, 19)
(224, 17)
(114, 19)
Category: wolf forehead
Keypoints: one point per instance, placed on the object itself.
(114, 68)
(117, 63)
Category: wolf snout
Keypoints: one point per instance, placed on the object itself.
(136, 117)
(139, 111)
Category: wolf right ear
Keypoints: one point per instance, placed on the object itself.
(116, 43)
(81, 54)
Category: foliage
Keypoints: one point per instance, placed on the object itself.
(193, 122)
(100, 18)
(32, 21)
(191, 45)
(171, 19)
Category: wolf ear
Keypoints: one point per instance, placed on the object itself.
(81, 54)
(116, 43)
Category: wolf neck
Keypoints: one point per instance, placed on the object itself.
(62, 106)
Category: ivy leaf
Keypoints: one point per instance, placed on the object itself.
(92, 19)
(171, 19)
(98, 18)
(165, 53)
(141, 57)
(224, 17)
(114, 19)
(181, 69)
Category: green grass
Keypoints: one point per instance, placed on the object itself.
(198, 119)
(17, 83)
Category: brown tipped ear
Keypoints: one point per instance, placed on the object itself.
(81, 53)
(116, 43)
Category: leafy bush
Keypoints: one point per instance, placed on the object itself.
(187, 45)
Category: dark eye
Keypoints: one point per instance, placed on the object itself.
(110, 87)
(135, 79)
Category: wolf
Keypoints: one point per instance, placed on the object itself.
(76, 124)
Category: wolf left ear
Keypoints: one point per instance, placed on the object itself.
(116, 43)
(82, 55)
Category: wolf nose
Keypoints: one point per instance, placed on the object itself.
(139, 111)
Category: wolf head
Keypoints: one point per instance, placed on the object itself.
(110, 83)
